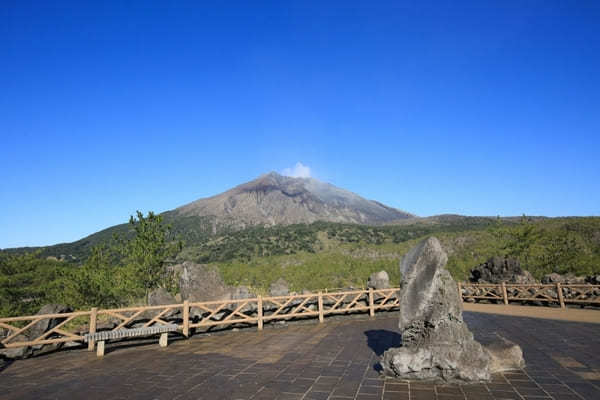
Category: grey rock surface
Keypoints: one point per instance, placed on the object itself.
(19, 352)
(279, 288)
(161, 297)
(241, 292)
(35, 331)
(199, 282)
(504, 355)
(436, 342)
(553, 278)
(44, 325)
(379, 280)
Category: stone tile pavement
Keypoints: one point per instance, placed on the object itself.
(334, 360)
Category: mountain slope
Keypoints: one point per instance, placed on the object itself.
(269, 200)
(273, 199)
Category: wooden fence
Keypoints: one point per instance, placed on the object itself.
(192, 317)
(199, 317)
(558, 293)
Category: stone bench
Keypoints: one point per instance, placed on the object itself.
(101, 337)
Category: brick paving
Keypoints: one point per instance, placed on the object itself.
(334, 360)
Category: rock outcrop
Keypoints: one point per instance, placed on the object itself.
(436, 342)
(501, 269)
(379, 280)
(568, 279)
(279, 288)
(200, 282)
(35, 331)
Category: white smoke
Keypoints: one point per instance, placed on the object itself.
(297, 171)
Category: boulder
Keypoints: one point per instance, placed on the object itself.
(593, 279)
(241, 292)
(161, 297)
(504, 355)
(553, 278)
(379, 280)
(45, 325)
(567, 279)
(17, 352)
(501, 269)
(199, 282)
(35, 331)
(436, 342)
(279, 288)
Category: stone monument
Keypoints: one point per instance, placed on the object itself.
(436, 342)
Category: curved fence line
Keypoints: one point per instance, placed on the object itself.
(191, 317)
(528, 293)
(200, 317)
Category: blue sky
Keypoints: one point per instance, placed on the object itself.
(478, 108)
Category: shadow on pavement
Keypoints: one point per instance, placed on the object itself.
(379, 340)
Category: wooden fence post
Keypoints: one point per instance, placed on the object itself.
(260, 313)
(460, 290)
(371, 303)
(320, 307)
(93, 316)
(186, 318)
(561, 299)
(504, 294)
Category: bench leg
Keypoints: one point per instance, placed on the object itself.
(100, 351)
(91, 344)
(164, 338)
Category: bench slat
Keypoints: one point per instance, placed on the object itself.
(121, 333)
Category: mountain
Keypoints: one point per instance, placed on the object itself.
(273, 199)
(270, 200)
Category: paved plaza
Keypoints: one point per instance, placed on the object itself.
(334, 360)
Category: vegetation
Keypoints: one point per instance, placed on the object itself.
(120, 272)
(148, 250)
(308, 256)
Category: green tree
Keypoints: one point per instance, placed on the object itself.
(148, 250)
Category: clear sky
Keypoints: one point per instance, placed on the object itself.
(472, 107)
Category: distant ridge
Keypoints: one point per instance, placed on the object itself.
(273, 199)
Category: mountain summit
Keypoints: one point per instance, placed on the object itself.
(273, 199)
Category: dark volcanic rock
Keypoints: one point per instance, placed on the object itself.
(37, 330)
(45, 325)
(501, 269)
(568, 279)
(436, 343)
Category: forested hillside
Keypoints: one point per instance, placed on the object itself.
(308, 256)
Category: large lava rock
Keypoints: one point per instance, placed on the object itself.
(279, 288)
(35, 331)
(436, 342)
(379, 280)
(501, 269)
(199, 282)
(161, 297)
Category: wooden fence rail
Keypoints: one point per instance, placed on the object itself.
(191, 317)
(526, 293)
(198, 317)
